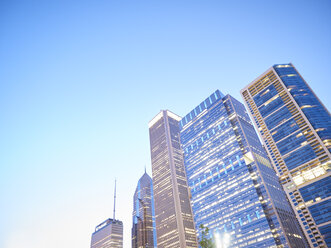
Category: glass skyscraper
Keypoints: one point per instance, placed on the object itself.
(173, 213)
(235, 191)
(295, 128)
(143, 227)
(108, 234)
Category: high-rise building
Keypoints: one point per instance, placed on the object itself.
(143, 222)
(108, 234)
(173, 213)
(235, 191)
(295, 128)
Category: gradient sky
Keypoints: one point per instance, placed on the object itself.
(79, 81)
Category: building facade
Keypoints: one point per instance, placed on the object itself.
(173, 213)
(235, 191)
(143, 222)
(108, 234)
(295, 128)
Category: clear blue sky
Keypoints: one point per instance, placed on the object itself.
(79, 81)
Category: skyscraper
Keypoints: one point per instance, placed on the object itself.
(173, 214)
(235, 191)
(295, 128)
(143, 222)
(108, 234)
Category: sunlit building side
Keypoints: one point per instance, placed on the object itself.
(295, 128)
(235, 191)
(173, 213)
(143, 223)
(108, 234)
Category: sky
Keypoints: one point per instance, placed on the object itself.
(80, 80)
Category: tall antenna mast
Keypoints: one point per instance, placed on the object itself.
(114, 201)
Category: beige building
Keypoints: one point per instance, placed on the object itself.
(173, 213)
(108, 234)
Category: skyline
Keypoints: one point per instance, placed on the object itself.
(81, 81)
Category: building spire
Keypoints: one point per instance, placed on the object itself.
(114, 201)
(145, 168)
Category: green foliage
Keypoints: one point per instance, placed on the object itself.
(205, 240)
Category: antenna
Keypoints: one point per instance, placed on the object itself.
(114, 201)
(145, 168)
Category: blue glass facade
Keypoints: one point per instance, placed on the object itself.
(318, 190)
(318, 116)
(296, 130)
(235, 191)
(326, 232)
